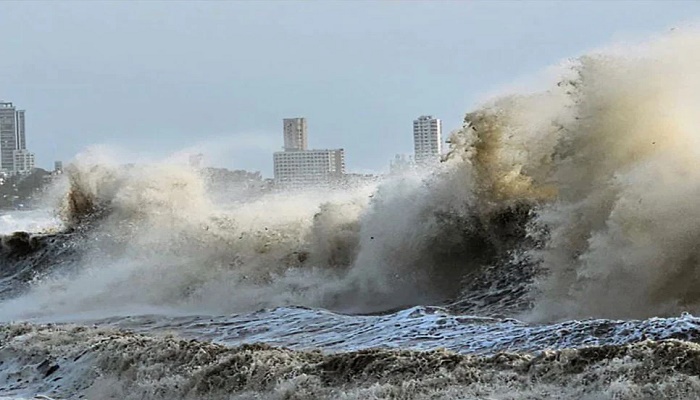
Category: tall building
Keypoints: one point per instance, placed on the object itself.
(14, 157)
(427, 139)
(297, 167)
(11, 129)
(295, 137)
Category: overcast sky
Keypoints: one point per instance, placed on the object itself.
(159, 77)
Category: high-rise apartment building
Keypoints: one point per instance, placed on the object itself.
(14, 157)
(297, 167)
(427, 139)
(295, 137)
(12, 135)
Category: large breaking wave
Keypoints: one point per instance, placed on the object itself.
(575, 201)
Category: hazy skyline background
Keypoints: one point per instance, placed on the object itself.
(155, 78)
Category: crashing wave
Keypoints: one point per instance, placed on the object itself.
(577, 201)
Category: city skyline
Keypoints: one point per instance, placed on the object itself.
(15, 158)
(102, 74)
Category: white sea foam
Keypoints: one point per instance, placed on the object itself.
(39, 220)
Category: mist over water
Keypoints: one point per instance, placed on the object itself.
(604, 160)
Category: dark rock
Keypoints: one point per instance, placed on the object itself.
(47, 368)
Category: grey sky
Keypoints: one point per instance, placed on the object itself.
(158, 77)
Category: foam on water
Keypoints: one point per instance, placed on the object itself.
(418, 328)
(106, 364)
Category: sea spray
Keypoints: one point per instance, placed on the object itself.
(586, 188)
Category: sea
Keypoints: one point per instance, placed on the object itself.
(552, 253)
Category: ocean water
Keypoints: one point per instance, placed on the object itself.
(551, 254)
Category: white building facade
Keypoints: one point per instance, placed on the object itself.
(23, 163)
(427, 140)
(307, 168)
